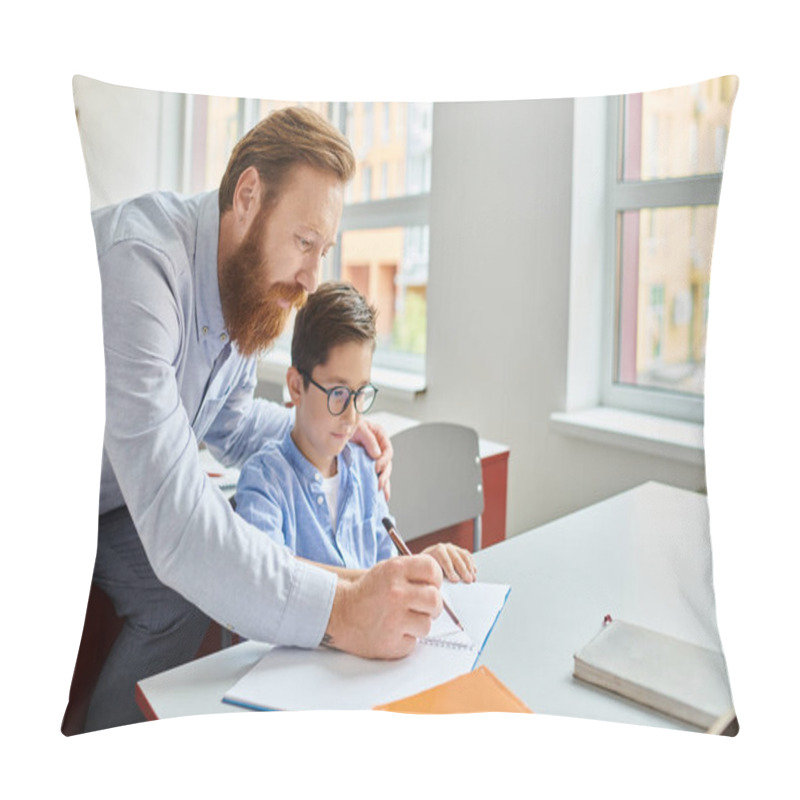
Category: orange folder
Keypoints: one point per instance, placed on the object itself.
(479, 690)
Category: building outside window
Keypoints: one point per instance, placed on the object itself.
(384, 234)
(665, 172)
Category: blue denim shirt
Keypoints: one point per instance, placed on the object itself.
(280, 491)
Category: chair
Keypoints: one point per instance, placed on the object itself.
(436, 479)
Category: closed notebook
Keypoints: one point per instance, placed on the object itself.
(477, 691)
(673, 676)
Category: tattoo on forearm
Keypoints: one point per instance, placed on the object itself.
(327, 641)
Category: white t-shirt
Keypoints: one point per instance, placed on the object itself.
(330, 486)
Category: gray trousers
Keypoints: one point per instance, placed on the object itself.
(160, 628)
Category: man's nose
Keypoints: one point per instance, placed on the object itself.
(309, 274)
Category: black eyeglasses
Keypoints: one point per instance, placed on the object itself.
(339, 397)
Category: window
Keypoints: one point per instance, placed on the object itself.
(386, 130)
(664, 172)
(367, 128)
(384, 188)
(384, 239)
(366, 184)
(383, 243)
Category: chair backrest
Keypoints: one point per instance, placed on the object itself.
(436, 479)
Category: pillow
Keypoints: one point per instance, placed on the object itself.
(456, 209)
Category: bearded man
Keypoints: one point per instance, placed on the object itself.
(193, 290)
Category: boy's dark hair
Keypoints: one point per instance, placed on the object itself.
(335, 314)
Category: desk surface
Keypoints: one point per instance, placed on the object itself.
(643, 555)
(394, 423)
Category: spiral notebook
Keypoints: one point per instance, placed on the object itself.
(293, 679)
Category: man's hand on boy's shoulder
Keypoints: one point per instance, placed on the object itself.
(372, 437)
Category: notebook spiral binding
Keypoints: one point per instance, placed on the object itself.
(445, 643)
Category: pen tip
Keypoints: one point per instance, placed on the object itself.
(387, 523)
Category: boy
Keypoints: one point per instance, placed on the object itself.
(314, 491)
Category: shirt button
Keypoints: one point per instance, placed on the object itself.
(317, 476)
(205, 329)
(319, 500)
(223, 337)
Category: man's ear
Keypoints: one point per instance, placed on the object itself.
(294, 382)
(247, 197)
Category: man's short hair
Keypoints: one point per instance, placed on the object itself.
(284, 138)
(335, 314)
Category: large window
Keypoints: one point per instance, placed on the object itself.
(383, 242)
(665, 159)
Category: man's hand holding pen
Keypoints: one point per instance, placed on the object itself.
(403, 550)
(382, 613)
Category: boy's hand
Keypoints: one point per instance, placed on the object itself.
(374, 440)
(456, 562)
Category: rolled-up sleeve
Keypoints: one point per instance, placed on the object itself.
(196, 544)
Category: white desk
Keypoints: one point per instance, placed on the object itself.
(394, 423)
(643, 555)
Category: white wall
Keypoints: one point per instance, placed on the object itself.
(498, 304)
(121, 130)
(498, 291)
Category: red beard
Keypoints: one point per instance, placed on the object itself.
(251, 304)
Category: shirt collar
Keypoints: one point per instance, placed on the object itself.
(209, 319)
(303, 467)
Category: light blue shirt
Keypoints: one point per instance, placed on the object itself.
(280, 491)
(173, 379)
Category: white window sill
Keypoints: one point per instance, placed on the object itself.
(658, 436)
(391, 383)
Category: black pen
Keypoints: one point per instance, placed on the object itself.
(403, 548)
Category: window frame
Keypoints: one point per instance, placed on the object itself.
(622, 196)
(406, 211)
(405, 373)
